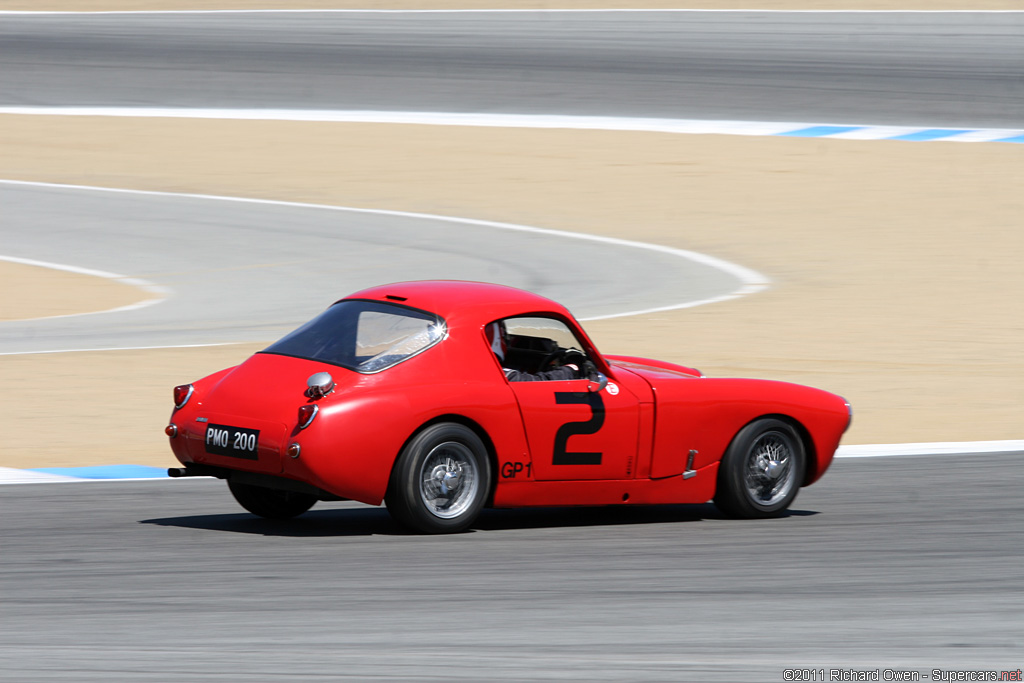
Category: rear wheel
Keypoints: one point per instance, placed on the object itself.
(271, 503)
(441, 480)
(761, 472)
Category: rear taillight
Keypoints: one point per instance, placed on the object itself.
(182, 393)
(306, 415)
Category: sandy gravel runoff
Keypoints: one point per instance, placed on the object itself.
(31, 291)
(895, 264)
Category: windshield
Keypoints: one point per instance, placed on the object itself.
(365, 336)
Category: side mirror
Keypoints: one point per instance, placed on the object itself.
(596, 382)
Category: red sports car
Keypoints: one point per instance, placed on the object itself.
(441, 398)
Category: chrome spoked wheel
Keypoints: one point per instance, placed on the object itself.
(762, 470)
(441, 480)
(448, 480)
(769, 473)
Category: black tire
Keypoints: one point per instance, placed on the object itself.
(762, 470)
(440, 481)
(271, 503)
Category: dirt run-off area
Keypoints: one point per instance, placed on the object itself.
(895, 265)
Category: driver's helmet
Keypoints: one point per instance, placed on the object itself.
(498, 338)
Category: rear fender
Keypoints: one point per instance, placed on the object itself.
(352, 450)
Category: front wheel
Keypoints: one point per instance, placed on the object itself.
(440, 481)
(762, 470)
(271, 503)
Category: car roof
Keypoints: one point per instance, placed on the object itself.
(461, 302)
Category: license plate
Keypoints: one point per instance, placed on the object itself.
(235, 442)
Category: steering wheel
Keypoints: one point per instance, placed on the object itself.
(560, 357)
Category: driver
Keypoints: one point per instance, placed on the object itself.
(498, 337)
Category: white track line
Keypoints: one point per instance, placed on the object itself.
(10, 475)
(124, 348)
(160, 293)
(938, 448)
(838, 131)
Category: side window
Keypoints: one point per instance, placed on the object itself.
(534, 343)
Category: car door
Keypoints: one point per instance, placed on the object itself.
(576, 434)
(574, 431)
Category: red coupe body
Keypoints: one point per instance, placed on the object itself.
(417, 355)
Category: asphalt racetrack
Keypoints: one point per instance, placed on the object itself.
(933, 69)
(223, 251)
(905, 563)
(889, 563)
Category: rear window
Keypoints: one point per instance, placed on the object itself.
(365, 336)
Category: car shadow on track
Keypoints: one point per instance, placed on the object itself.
(375, 521)
(611, 515)
(347, 522)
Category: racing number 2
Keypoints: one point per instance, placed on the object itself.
(592, 426)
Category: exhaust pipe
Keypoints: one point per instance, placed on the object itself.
(196, 470)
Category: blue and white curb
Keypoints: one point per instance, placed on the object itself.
(618, 123)
(99, 473)
(57, 475)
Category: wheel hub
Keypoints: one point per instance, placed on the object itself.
(768, 474)
(448, 477)
(772, 469)
(448, 482)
